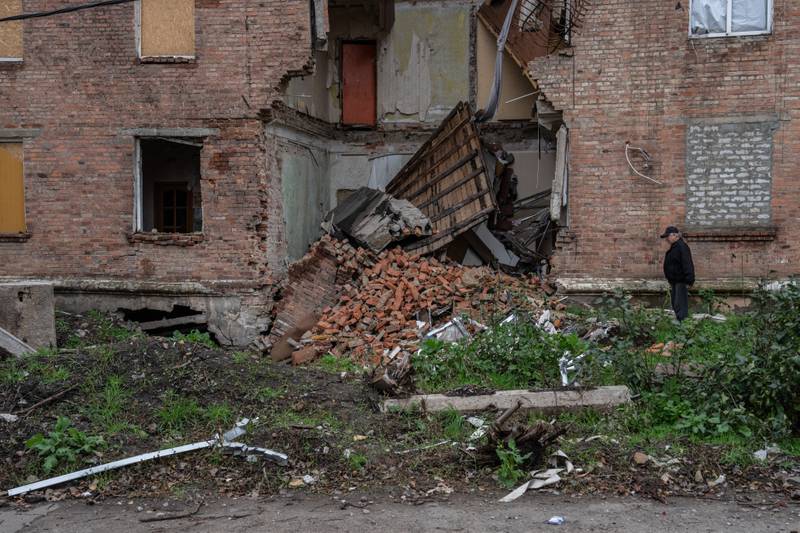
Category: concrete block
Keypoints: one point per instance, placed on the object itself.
(28, 313)
(548, 400)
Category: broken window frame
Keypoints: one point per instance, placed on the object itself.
(729, 23)
(138, 181)
(156, 58)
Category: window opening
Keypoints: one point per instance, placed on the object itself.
(169, 196)
(719, 18)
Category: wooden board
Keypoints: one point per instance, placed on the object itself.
(167, 28)
(12, 189)
(359, 84)
(10, 32)
(551, 401)
(447, 180)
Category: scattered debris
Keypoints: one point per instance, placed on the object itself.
(556, 521)
(531, 441)
(761, 455)
(6, 417)
(640, 458)
(14, 345)
(225, 441)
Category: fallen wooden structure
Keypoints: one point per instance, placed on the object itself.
(448, 181)
(555, 400)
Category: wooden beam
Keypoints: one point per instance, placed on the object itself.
(548, 400)
(172, 322)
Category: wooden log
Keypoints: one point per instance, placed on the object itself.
(550, 400)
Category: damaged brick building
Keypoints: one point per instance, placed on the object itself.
(170, 159)
(702, 97)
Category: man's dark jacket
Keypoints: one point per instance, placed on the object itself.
(678, 266)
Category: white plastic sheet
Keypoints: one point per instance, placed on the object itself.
(710, 16)
(749, 15)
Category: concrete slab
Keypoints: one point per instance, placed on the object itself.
(27, 312)
(547, 400)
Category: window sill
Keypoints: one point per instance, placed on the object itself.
(764, 234)
(167, 60)
(14, 237)
(166, 239)
(731, 35)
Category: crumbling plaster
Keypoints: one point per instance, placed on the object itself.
(423, 62)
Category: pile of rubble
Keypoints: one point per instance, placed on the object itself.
(386, 309)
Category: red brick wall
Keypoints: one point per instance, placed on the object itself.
(81, 84)
(636, 76)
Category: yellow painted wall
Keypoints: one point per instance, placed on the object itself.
(12, 189)
(10, 32)
(515, 84)
(167, 28)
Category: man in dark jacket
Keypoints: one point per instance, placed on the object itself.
(679, 271)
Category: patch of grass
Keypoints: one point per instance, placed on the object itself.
(288, 418)
(195, 337)
(179, 413)
(219, 415)
(357, 461)
(269, 393)
(335, 365)
(107, 330)
(107, 407)
(12, 372)
(454, 426)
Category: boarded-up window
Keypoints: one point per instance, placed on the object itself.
(359, 84)
(12, 189)
(10, 32)
(166, 28)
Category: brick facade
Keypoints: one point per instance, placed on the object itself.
(81, 87)
(633, 75)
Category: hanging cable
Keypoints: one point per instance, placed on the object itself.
(69, 9)
(645, 155)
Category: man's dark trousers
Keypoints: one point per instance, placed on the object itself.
(680, 299)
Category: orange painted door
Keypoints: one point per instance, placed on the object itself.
(12, 189)
(359, 84)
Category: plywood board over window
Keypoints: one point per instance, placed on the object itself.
(10, 32)
(12, 189)
(166, 28)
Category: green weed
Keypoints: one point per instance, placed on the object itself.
(64, 445)
(178, 413)
(357, 461)
(335, 365)
(195, 337)
(511, 469)
(219, 415)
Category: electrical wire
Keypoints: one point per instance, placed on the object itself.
(627, 147)
(69, 9)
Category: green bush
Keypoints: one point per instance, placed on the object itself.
(507, 356)
(737, 377)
